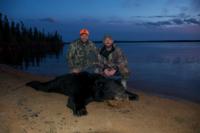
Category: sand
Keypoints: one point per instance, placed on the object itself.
(24, 110)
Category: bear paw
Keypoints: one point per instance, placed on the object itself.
(80, 112)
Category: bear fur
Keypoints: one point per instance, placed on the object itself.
(83, 88)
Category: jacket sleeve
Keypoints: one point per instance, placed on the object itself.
(70, 56)
(97, 61)
(121, 59)
(96, 54)
(122, 63)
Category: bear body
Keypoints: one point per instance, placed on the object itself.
(83, 88)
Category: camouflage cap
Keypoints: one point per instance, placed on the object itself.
(107, 36)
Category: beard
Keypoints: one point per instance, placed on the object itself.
(84, 40)
(108, 45)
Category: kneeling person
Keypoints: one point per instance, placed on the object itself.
(113, 60)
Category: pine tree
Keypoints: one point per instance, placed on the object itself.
(13, 32)
(1, 28)
(6, 30)
(18, 33)
(35, 34)
(24, 33)
(30, 34)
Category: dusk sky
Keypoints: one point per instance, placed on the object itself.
(124, 19)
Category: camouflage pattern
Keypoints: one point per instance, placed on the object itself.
(82, 56)
(117, 60)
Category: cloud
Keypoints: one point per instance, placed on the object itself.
(156, 16)
(115, 20)
(177, 21)
(192, 21)
(48, 19)
(173, 22)
(159, 23)
(168, 20)
(181, 15)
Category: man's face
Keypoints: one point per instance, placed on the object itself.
(84, 37)
(108, 42)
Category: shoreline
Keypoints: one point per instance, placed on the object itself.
(166, 96)
(24, 110)
(130, 85)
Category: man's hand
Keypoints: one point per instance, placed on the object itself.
(75, 71)
(109, 72)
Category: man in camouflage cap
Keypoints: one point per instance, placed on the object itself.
(82, 54)
(114, 62)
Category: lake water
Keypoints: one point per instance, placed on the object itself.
(168, 69)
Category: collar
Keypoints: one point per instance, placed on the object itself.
(105, 52)
(81, 42)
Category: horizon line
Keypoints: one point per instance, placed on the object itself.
(142, 41)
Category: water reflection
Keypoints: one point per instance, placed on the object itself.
(24, 56)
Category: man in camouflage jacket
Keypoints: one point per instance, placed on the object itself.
(82, 54)
(113, 60)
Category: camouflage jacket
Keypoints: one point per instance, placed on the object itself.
(82, 56)
(115, 59)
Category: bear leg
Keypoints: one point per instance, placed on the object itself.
(132, 96)
(77, 105)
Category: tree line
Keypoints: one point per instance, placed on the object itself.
(25, 45)
(16, 32)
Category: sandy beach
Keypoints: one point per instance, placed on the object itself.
(24, 110)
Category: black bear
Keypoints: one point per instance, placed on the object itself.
(83, 88)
